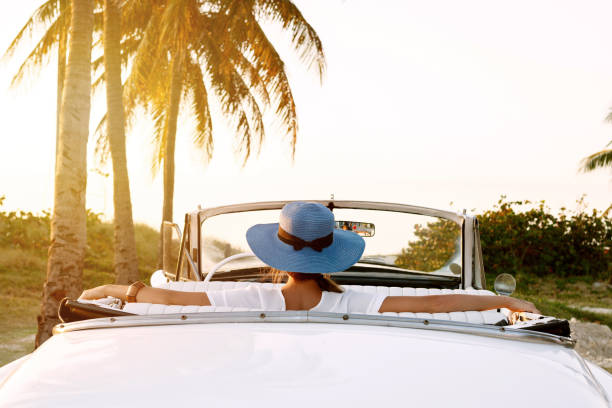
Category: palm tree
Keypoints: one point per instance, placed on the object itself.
(126, 261)
(188, 52)
(53, 16)
(68, 222)
(596, 161)
(61, 64)
(599, 160)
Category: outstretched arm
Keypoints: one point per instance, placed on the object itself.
(149, 295)
(454, 303)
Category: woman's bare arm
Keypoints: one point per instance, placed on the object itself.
(454, 303)
(149, 295)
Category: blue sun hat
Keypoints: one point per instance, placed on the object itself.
(305, 240)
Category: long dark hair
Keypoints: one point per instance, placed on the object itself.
(323, 280)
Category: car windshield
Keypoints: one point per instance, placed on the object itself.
(399, 247)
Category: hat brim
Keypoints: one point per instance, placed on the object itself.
(346, 249)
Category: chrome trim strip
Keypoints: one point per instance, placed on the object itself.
(591, 379)
(316, 317)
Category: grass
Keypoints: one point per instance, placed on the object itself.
(563, 297)
(22, 275)
(564, 311)
(21, 280)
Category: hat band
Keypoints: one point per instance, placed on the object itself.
(298, 243)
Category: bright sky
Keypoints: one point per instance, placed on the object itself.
(424, 103)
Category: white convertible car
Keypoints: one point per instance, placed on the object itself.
(174, 356)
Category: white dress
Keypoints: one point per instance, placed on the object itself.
(272, 299)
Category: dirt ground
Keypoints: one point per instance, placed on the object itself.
(594, 342)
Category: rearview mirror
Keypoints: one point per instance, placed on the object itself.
(364, 229)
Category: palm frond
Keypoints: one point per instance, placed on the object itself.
(269, 63)
(39, 54)
(203, 137)
(236, 51)
(235, 98)
(98, 83)
(102, 148)
(98, 36)
(98, 22)
(251, 76)
(148, 56)
(159, 134)
(233, 109)
(597, 160)
(175, 21)
(215, 32)
(257, 48)
(44, 15)
(128, 47)
(255, 117)
(304, 38)
(135, 16)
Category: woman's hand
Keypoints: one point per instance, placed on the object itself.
(519, 305)
(94, 293)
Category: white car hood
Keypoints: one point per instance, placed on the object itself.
(297, 365)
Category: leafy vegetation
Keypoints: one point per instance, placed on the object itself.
(24, 240)
(435, 244)
(178, 52)
(556, 259)
(518, 237)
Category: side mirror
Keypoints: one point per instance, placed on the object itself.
(505, 284)
(455, 268)
(158, 278)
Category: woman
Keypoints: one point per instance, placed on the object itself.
(306, 245)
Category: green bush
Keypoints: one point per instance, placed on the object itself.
(24, 230)
(30, 232)
(520, 237)
(434, 245)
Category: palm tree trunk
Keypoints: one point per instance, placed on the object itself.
(68, 229)
(174, 102)
(61, 70)
(126, 261)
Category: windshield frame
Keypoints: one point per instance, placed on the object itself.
(195, 220)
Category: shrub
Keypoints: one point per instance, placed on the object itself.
(518, 237)
(30, 232)
(434, 245)
(19, 229)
